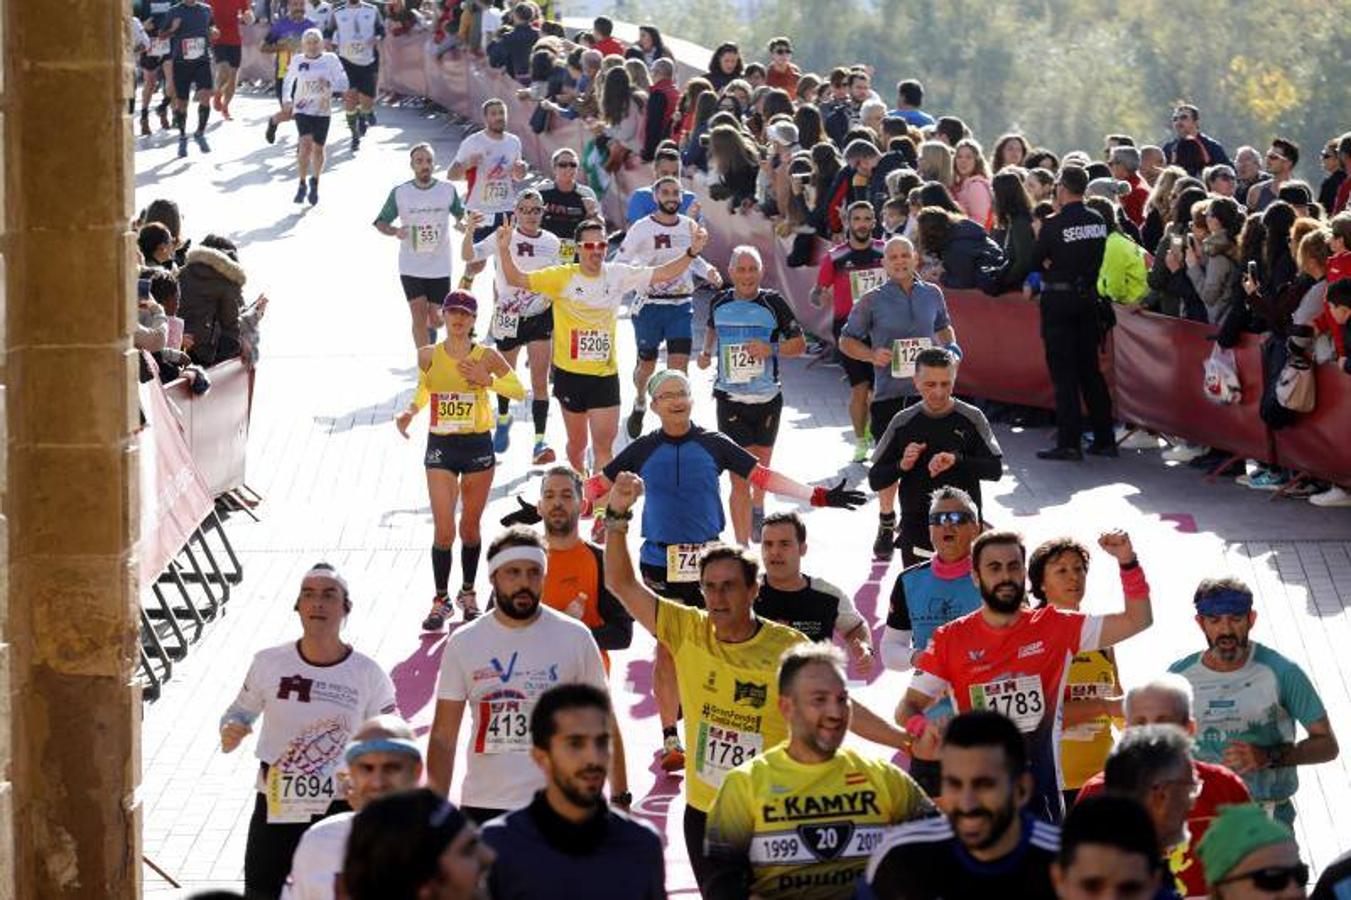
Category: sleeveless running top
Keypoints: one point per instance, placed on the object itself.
(457, 407)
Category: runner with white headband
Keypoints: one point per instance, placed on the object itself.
(498, 666)
(383, 758)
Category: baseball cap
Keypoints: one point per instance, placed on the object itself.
(1237, 831)
(460, 300)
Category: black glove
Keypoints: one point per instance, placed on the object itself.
(838, 497)
(526, 515)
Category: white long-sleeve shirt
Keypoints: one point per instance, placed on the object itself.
(314, 80)
(650, 243)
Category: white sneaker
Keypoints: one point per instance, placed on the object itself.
(1183, 452)
(1139, 439)
(1333, 496)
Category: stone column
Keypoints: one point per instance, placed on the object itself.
(69, 812)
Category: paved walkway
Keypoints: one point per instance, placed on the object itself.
(340, 484)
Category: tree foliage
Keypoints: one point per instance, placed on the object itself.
(1067, 72)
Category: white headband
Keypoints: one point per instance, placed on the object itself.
(526, 553)
(325, 572)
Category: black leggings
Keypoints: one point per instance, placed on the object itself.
(267, 855)
(696, 824)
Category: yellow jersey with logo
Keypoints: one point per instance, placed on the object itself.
(808, 830)
(1084, 747)
(585, 310)
(456, 406)
(729, 692)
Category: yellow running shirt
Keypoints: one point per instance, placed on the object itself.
(1084, 747)
(457, 407)
(730, 694)
(808, 830)
(584, 312)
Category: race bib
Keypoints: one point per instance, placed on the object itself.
(682, 563)
(452, 412)
(590, 345)
(738, 366)
(193, 48)
(1086, 731)
(505, 323)
(811, 844)
(354, 49)
(504, 726)
(425, 238)
(567, 251)
(496, 191)
(299, 796)
(904, 352)
(1020, 699)
(159, 46)
(863, 280)
(720, 750)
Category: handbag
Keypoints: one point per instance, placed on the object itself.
(1221, 377)
(1295, 385)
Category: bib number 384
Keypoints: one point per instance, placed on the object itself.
(1020, 699)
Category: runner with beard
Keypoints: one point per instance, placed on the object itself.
(490, 162)
(567, 835)
(498, 666)
(1248, 699)
(988, 844)
(847, 272)
(1015, 661)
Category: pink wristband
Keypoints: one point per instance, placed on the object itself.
(1133, 583)
(915, 725)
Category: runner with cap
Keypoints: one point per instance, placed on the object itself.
(382, 758)
(497, 667)
(521, 318)
(682, 464)
(454, 378)
(1246, 853)
(1248, 699)
(312, 694)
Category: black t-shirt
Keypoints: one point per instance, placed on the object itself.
(194, 31)
(563, 212)
(817, 610)
(924, 861)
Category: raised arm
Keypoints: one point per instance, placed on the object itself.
(511, 273)
(620, 578)
(1139, 612)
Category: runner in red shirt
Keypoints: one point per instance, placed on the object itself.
(228, 50)
(1167, 700)
(1014, 660)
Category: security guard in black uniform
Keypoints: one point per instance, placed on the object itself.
(1071, 245)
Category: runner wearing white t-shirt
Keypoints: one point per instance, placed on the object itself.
(423, 208)
(490, 161)
(307, 95)
(357, 27)
(382, 758)
(312, 694)
(663, 313)
(497, 666)
(521, 318)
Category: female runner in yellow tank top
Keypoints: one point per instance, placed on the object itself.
(454, 378)
(1058, 573)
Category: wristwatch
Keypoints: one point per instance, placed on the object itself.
(624, 799)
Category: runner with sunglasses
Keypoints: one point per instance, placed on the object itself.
(936, 442)
(567, 203)
(1246, 853)
(521, 318)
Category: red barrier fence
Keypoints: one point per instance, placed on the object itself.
(1153, 363)
(216, 424)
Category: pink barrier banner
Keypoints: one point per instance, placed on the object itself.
(1159, 364)
(174, 496)
(216, 425)
(1153, 363)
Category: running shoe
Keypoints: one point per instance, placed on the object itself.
(271, 132)
(163, 118)
(436, 619)
(300, 192)
(502, 434)
(884, 545)
(355, 143)
(182, 146)
(201, 142)
(467, 601)
(543, 454)
(672, 755)
(1184, 452)
(1333, 496)
(314, 191)
(145, 123)
(598, 531)
(1263, 480)
(757, 523)
(861, 448)
(634, 424)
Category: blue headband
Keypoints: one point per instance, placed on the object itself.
(1224, 603)
(383, 745)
